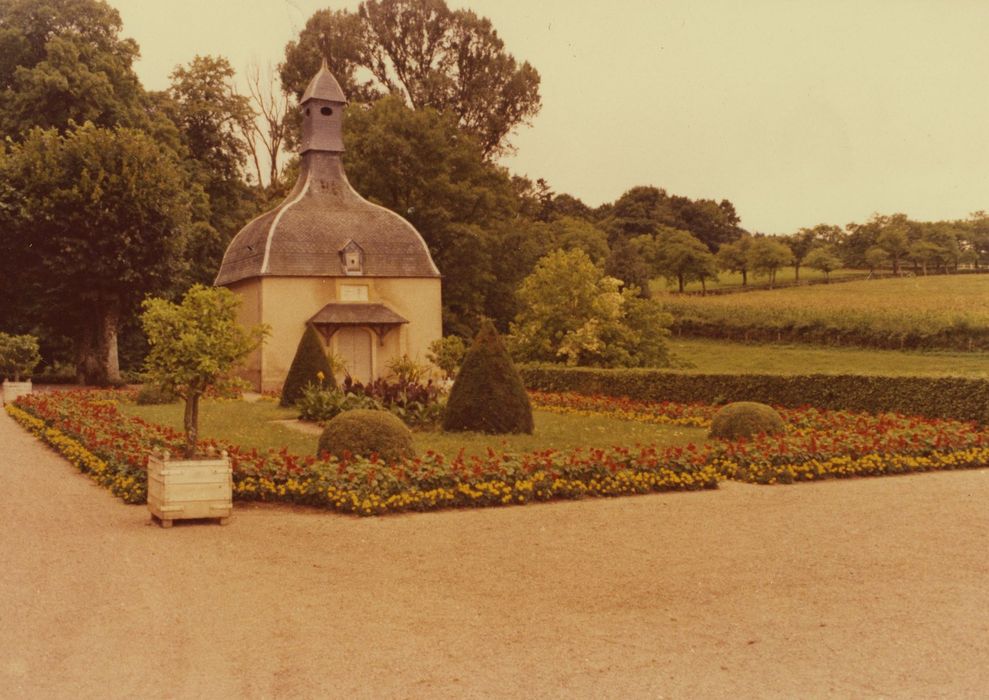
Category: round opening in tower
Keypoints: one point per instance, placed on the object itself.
(326, 111)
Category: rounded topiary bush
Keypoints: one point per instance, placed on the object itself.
(309, 364)
(745, 419)
(363, 432)
(488, 395)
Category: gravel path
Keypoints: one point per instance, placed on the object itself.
(864, 588)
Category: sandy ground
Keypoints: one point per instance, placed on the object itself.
(865, 588)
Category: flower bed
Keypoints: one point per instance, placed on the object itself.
(88, 428)
(818, 444)
(115, 449)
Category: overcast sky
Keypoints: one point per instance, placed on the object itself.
(799, 112)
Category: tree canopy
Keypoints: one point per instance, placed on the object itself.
(426, 54)
(62, 61)
(95, 219)
(572, 311)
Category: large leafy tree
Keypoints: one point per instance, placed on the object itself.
(419, 164)
(646, 210)
(572, 312)
(62, 61)
(94, 220)
(428, 55)
(211, 118)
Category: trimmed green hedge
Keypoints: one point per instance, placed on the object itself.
(934, 397)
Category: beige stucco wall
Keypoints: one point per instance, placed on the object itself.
(287, 303)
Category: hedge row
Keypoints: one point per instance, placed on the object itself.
(934, 397)
(960, 338)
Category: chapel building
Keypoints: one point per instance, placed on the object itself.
(361, 274)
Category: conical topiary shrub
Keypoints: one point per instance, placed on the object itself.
(488, 395)
(309, 361)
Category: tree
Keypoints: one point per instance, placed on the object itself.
(679, 256)
(823, 259)
(488, 395)
(894, 239)
(195, 345)
(210, 117)
(571, 311)
(267, 134)
(734, 257)
(425, 54)
(977, 236)
(876, 257)
(567, 233)
(925, 253)
(629, 261)
(98, 219)
(806, 239)
(309, 366)
(64, 61)
(767, 255)
(420, 165)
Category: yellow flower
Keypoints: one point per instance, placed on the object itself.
(320, 376)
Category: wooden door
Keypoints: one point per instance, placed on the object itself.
(354, 346)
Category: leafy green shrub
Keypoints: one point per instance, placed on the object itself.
(745, 419)
(19, 356)
(488, 395)
(363, 432)
(319, 404)
(447, 353)
(152, 395)
(309, 366)
(934, 397)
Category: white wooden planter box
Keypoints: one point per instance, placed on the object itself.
(179, 489)
(11, 390)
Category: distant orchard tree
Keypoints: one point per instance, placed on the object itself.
(823, 259)
(679, 256)
(894, 238)
(876, 257)
(767, 255)
(734, 257)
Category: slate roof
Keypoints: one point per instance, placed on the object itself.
(357, 314)
(323, 86)
(304, 235)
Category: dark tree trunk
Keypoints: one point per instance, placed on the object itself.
(97, 362)
(745, 278)
(680, 282)
(191, 424)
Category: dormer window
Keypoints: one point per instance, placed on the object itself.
(352, 257)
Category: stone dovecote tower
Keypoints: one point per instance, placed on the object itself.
(361, 274)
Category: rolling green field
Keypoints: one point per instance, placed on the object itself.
(725, 357)
(937, 312)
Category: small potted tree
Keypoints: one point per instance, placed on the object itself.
(194, 346)
(18, 357)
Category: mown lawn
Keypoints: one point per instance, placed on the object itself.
(725, 357)
(255, 425)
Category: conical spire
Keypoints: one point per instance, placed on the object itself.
(323, 86)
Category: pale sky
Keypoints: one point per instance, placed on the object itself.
(800, 112)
